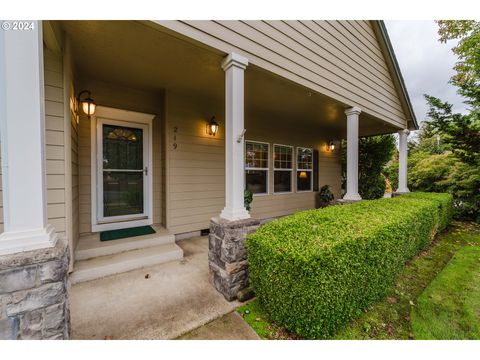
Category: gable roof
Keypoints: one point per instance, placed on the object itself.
(386, 45)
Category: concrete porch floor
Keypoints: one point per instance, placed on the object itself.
(175, 299)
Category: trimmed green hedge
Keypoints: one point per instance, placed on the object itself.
(316, 270)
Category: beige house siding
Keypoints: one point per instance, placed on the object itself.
(55, 140)
(84, 173)
(340, 59)
(75, 181)
(195, 170)
(72, 152)
(196, 167)
(157, 169)
(127, 99)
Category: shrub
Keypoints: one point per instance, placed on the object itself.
(323, 197)
(444, 173)
(316, 270)
(247, 199)
(374, 152)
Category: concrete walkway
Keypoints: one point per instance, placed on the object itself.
(228, 327)
(175, 299)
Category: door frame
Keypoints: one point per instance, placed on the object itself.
(120, 117)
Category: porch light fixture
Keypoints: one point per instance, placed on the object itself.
(330, 146)
(212, 127)
(88, 105)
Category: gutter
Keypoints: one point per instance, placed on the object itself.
(396, 68)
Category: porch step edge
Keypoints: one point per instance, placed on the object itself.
(103, 266)
(119, 246)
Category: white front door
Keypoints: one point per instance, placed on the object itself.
(123, 170)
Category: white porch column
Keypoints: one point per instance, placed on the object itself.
(234, 66)
(22, 121)
(402, 161)
(352, 154)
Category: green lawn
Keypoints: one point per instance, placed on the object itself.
(449, 308)
(392, 318)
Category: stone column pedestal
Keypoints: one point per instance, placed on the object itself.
(227, 255)
(34, 288)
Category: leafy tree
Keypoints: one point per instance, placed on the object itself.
(447, 154)
(443, 173)
(374, 154)
(461, 132)
(468, 51)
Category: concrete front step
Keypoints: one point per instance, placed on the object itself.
(90, 246)
(99, 267)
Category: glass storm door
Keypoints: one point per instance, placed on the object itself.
(123, 171)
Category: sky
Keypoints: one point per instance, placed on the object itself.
(426, 63)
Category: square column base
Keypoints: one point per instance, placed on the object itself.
(352, 197)
(227, 256)
(230, 215)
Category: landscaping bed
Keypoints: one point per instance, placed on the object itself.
(315, 271)
(391, 317)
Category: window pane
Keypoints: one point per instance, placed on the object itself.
(122, 148)
(282, 181)
(256, 155)
(304, 158)
(256, 181)
(282, 156)
(304, 180)
(122, 193)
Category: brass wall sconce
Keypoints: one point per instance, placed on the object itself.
(88, 105)
(212, 127)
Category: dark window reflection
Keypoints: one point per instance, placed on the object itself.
(256, 181)
(122, 193)
(122, 147)
(304, 180)
(282, 181)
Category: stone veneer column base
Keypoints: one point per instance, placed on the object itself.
(34, 289)
(227, 256)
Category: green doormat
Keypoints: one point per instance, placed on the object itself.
(126, 233)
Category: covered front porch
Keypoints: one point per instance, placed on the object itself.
(153, 83)
(276, 138)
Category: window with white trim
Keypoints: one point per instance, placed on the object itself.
(256, 166)
(304, 169)
(282, 168)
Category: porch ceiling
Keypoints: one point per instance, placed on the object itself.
(134, 55)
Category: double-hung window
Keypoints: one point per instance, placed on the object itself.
(304, 169)
(282, 168)
(256, 167)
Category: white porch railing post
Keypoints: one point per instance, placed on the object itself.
(22, 121)
(234, 66)
(352, 154)
(402, 161)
